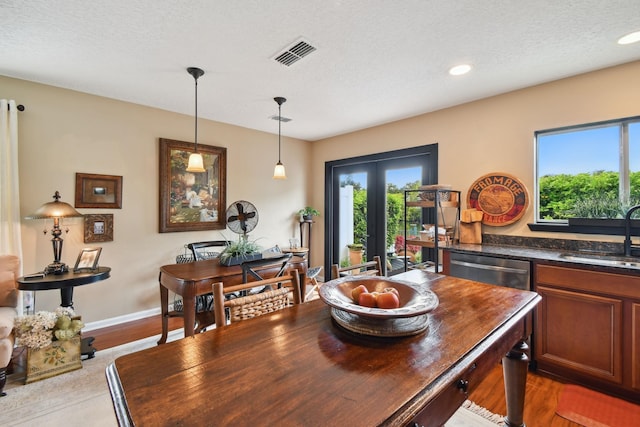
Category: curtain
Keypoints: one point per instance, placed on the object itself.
(10, 237)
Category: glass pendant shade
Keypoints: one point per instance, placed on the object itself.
(196, 163)
(279, 172)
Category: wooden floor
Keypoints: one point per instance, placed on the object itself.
(541, 394)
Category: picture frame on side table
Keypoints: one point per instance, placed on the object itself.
(98, 228)
(192, 201)
(87, 259)
(98, 191)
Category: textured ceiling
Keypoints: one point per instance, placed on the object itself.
(376, 60)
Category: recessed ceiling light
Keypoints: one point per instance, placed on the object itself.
(459, 70)
(630, 38)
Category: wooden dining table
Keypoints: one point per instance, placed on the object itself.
(196, 278)
(297, 367)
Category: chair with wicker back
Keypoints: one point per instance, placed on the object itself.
(250, 306)
(370, 268)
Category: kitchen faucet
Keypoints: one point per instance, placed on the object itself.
(628, 247)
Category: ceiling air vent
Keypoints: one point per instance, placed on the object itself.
(294, 53)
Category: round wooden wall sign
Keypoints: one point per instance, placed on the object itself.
(501, 197)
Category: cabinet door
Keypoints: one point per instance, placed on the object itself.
(635, 345)
(581, 332)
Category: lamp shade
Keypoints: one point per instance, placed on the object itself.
(279, 172)
(55, 209)
(196, 163)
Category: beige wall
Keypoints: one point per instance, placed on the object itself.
(62, 132)
(492, 135)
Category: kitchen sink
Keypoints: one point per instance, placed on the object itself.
(602, 260)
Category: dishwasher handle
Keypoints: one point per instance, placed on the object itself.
(490, 267)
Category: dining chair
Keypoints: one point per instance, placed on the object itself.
(369, 268)
(204, 303)
(250, 306)
(312, 273)
(204, 250)
(252, 268)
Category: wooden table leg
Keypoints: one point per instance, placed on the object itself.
(189, 311)
(302, 282)
(164, 309)
(514, 367)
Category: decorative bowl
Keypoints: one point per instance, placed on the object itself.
(414, 301)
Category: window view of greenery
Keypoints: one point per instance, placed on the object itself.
(589, 171)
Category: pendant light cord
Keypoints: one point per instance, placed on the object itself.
(196, 136)
(279, 129)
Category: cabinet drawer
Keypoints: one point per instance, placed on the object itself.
(588, 280)
(440, 409)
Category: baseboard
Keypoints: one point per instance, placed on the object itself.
(90, 326)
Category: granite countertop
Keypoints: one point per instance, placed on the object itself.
(594, 255)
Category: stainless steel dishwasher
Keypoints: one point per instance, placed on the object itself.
(511, 273)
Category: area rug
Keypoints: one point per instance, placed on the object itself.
(592, 409)
(471, 414)
(77, 398)
(81, 397)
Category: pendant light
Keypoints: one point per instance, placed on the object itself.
(278, 172)
(196, 163)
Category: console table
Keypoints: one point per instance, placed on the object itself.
(66, 282)
(196, 278)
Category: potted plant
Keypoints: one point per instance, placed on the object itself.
(307, 213)
(239, 252)
(600, 211)
(356, 253)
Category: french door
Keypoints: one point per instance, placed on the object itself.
(364, 204)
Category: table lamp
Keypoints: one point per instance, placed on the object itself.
(55, 210)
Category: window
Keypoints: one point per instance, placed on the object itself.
(587, 171)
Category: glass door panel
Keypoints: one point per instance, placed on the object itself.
(397, 180)
(352, 218)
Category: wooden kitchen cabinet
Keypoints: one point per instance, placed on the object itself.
(587, 327)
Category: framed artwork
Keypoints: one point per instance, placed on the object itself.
(98, 191)
(87, 259)
(192, 201)
(98, 228)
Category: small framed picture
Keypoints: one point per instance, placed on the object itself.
(87, 259)
(98, 228)
(98, 191)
